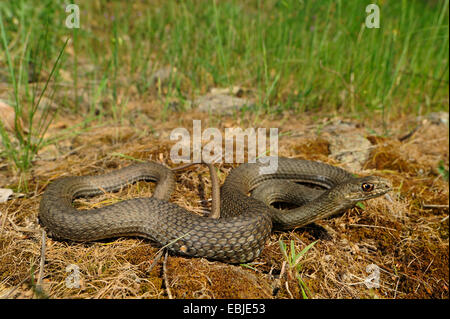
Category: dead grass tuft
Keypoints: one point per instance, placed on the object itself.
(404, 237)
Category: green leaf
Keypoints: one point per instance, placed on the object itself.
(293, 258)
(249, 266)
(442, 170)
(304, 251)
(283, 249)
(304, 288)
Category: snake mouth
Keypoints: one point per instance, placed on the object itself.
(376, 194)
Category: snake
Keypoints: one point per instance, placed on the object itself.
(246, 220)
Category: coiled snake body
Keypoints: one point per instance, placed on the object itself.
(237, 236)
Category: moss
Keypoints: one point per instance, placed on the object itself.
(195, 277)
(411, 245)
(314, 148)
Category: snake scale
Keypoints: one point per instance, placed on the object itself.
(245, 222)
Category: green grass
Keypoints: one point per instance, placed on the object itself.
(442, 170)
(293, 259)
(21, 148)
(299, 55)
(295, 55)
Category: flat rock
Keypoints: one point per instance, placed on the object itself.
(5, 193)
(351, 149)
(220, 103)
(162, 75)
(436, 118)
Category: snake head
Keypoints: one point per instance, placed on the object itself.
(364, 188)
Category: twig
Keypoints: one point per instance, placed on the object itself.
(409, 134)
(21, 229)
(41, 264)
(283, 269)
(3, 221)
(373, 226)
(277, 284)
(434, 206)
(396, 288)
(10, 292)
(428, 267)
(287, 288)
(166, 281)
(38, 290)
(157, 258)
(215, 208)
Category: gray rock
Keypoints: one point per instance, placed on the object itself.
(162, 75)
(220, 103)
(351, 149)
(438, 118)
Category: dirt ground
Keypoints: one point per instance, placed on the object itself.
(405, 237)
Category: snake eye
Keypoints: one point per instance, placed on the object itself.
(367, 187)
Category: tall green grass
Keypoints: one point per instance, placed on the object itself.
(23, 68)
(307, 55)
(301, 55)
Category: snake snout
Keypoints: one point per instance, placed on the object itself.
(382, 185)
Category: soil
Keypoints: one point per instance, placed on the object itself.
(406, 237)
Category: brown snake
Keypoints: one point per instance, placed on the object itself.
(237, 236)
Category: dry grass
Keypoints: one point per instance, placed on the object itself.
(408, 241)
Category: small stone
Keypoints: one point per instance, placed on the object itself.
(220, 103)
(5, 193)
(351, 149)
(162, 75)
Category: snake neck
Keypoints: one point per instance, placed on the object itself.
(326, 205)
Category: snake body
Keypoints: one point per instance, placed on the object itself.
(237, 236)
